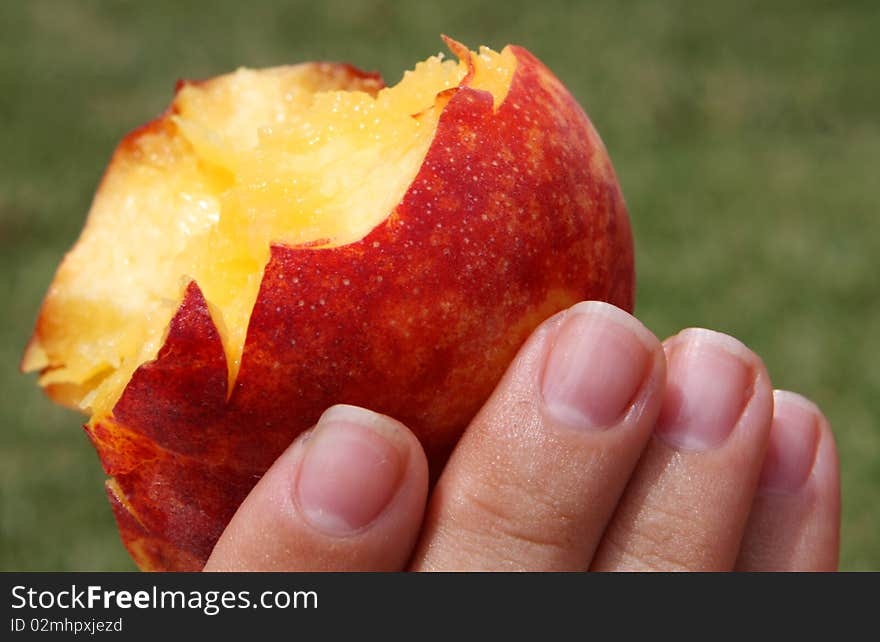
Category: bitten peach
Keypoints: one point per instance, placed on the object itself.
(286, 239)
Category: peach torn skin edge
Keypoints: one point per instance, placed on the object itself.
(415, 322)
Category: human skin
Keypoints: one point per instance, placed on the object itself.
(600, 449)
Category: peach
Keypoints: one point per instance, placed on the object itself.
(286, 239)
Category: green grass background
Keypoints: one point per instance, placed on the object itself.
(746, 136)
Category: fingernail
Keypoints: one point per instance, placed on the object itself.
(350, 470)
(791, 450)
(708, 386)
(597, 363)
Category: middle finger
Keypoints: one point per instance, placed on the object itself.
(539, 471)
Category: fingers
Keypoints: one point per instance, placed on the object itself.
(348, 496)
(794, 522)
(539, 471)
(688, 502)
(599, 449)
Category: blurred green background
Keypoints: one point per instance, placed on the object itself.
(746, 136)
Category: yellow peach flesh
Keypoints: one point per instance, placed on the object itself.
(292, 155)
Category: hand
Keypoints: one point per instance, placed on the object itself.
(599, 449)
